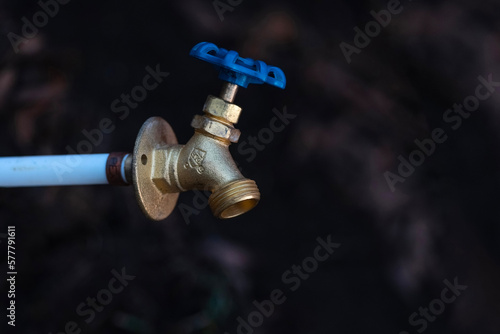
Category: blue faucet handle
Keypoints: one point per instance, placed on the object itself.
(237, 70)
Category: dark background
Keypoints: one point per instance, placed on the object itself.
(322, 175)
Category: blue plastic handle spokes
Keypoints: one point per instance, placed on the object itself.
(237, 70)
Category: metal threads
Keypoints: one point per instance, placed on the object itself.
(228, 92)
(234, 199)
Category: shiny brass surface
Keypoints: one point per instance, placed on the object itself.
(161, 168)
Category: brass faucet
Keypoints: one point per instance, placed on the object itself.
(160, 168)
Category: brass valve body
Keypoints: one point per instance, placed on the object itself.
(161, 168)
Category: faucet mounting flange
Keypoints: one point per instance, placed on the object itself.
(155, 202)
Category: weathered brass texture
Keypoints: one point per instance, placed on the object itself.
(222, 109)
(212, 126)
(155, 201)
(161, 168)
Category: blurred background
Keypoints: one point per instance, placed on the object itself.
(323, 174)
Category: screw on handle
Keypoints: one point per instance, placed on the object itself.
(237, 70)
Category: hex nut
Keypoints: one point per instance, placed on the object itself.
(220, 108)
(216, 128)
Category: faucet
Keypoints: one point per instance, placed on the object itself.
(159, 167)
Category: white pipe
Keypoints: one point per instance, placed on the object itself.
(53, 170)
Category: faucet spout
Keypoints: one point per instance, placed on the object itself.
(205, 163)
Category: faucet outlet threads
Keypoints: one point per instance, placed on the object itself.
(234, 199)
